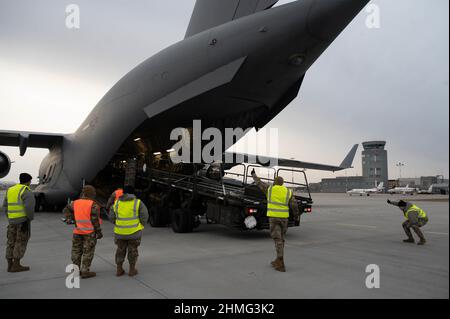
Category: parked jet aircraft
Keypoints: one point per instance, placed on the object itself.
(403, 190)
(367, 191)
(428, 191)
(241, 63)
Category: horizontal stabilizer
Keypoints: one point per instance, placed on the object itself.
(208, 14)
(29, 139)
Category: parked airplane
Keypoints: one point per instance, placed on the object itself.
(403, 190)
(240, 64)
(429, 191)
(367, 191)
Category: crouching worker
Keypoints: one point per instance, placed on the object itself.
(415, 219)
(129, 215)
(85, 212)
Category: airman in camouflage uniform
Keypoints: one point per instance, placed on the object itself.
(83, 246)
(416, 218)
(278, 226)
(19, 228)
(130, 242)
(113, 197)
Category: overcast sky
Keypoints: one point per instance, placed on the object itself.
(389, 83)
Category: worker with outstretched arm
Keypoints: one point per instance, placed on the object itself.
(280, 201)
(415, 219)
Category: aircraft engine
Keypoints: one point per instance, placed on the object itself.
(5, 164)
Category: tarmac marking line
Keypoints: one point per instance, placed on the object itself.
(31, 281)
(361, 226)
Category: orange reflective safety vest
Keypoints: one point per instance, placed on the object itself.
(119, 194)
(82, 210)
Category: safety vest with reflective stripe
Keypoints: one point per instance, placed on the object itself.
(16, 207)
(278, 198)
(82, 210)
(127, 217)
(118, 193)
(417, 209)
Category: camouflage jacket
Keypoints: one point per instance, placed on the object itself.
(412, 217)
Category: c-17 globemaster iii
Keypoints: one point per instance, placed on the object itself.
(240, 64)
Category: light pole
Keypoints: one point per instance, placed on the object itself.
(293, 158)
(400, 165)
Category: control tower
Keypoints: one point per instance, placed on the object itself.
(375, 162)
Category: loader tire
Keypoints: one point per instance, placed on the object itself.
(157, 217)
(182, 221)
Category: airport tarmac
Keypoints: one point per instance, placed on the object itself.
(325, 258)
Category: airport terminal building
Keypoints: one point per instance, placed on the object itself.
(374, 171)
(345, 183)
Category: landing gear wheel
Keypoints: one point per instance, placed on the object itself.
(182, 221)
(157, 216)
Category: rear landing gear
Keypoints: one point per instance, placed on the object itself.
(41, 205)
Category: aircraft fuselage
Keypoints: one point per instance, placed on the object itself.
(239, 74)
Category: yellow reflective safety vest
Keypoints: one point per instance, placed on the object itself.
(414, 208)
(16, 207)
(127, 217)
(278, 198)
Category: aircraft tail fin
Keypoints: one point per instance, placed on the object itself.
(348, 161)
(208, 14)
(381, 186)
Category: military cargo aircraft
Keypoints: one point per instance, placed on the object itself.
(241, 63)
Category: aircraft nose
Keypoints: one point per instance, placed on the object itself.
(328, 18)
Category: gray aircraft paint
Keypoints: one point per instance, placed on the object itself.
(262, 47)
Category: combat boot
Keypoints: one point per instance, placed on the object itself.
(279, 266)
(421, 236)
(88, 274)
(422, 242)
(274, 263)
(17, 267)
(133, 271)
(10, 263)
(120, 272)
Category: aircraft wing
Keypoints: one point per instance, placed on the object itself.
(269, 161)
(29, 139)
(211, 13)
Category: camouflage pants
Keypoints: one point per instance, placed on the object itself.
(278, 230)
(17, 240)
(83, 250)
(415, 225)
(122, 246)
